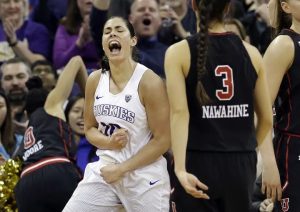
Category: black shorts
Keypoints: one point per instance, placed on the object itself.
(287, 151)
(229, 176)
(47, 189)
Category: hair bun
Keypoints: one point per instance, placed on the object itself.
(34, 82)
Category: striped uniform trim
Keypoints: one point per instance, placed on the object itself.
(44, 162)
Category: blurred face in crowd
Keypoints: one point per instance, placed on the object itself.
(117, 40)
(3, 110)
(75, 117)
(85, 6)
(13, 9)
(145, 17)
(14, 77)
(46, 74)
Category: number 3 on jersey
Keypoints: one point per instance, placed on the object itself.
(227, 92)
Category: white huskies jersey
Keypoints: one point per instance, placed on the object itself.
(122, 110)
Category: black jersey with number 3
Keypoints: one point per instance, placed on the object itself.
(287, 103)
(226, 123)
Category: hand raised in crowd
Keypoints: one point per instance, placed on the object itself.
(170, 18)
(84, 36)
(9, 27)
(119, 139)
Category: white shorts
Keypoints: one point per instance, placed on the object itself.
(146, 189)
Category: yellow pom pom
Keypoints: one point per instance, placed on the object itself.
(9, 176)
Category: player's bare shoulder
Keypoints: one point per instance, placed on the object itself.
(150, 85)
(150, 80)
(178, 55)
(92, 82)
(95, 75)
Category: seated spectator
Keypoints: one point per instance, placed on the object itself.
(73, 36)
(9, 141)
(146, 21)
(85, 152)
(21, 37)
(14, 73)
(256, 22)
(145, 18)
(45, 70)
(6, 131)
(48, 150)
(178, 21)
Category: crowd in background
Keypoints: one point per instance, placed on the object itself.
(40, 37)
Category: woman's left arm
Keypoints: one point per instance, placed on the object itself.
(154, 96)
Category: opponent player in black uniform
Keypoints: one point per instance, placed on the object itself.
(282, 60)
(215, 84)
(49, 176)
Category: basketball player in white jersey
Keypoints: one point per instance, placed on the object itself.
(127, 119)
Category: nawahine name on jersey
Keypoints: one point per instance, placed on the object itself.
(225, 111)
(115, 111)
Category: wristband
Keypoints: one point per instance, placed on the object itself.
(13, 44)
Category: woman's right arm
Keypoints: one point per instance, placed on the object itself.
(176, 67)
(277, 59)
(92, 133)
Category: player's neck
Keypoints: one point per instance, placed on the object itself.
(122, 72)
(216, 27)
(296, 27)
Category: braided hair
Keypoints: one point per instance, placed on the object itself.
(209, 11)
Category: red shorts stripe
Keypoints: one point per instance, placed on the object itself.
(44, 162)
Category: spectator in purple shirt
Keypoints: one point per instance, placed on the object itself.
(73, 36)
(21, 37)
(48, 13)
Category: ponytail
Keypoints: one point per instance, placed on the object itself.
(202, 38)
(208, 11)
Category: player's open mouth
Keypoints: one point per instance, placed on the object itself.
(114, 46)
